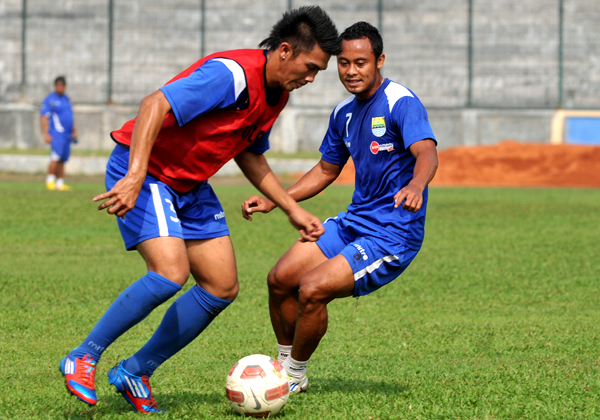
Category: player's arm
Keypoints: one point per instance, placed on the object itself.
(45, 112)
(256, 169)
(74, 135)
(122, 197)
(425, 167)
(334, 156)
(44, 124)
(311, 184)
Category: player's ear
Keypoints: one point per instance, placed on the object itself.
(380, 61)
(285, 51)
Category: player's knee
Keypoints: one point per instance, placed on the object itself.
(279, 280)
(312, 292)
(272, 280)
(231, 292)
(176, 272)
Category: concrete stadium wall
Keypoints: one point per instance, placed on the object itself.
(298, 128)
(515, 47)
(515, 62)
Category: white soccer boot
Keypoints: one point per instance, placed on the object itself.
(298, 385)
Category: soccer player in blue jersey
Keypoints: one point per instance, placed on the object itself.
(221, 107)
(59, 131)
(385, 129)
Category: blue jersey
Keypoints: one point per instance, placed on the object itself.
(377, 133)
(57, 108)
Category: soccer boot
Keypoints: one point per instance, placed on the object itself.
(79, 376)
(134, 389)
(298, 385)
(50, 185)
(64, 187)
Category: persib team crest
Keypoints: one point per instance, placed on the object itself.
(378, 126)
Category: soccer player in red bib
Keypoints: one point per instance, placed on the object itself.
(385, 129)
(220, 108)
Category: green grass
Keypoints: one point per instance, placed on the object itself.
(497, 318)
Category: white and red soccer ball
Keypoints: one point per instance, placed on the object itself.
(257, 386)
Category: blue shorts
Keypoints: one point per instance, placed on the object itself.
(60, 149)
(161, 211)
(374, 261)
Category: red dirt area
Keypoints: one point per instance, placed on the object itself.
(513, 164)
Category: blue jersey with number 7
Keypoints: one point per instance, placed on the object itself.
(377, 133)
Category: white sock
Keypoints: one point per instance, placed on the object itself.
(50, 178)
(284, 352)
(295, 368)
(59, 182)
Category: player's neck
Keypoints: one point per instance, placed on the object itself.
(366, 94)
(271, 70)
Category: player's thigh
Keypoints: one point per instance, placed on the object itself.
(212, 263)
(329, 280)
(166, 256)
(301, 258)
(375, 262)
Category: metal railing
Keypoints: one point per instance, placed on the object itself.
(468, 53)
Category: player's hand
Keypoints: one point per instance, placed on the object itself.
(410, 197)
(47, 138)
(309, 226)
(121, 198)
(256, 204)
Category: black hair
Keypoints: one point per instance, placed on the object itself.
(364, 30)
(303, 28)
(60, 79)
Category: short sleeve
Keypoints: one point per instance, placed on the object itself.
(412, 121)
(217, 84)
(260, 145)
(333, 149)
(46, 108)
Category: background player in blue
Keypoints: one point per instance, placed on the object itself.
(385, 128)
(59, 131)
(156, 182)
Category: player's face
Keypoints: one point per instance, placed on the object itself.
(358, 69)
(60, 88)
(301, 69)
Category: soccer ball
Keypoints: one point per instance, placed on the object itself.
(257, 386)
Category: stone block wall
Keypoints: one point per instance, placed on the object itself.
(515, 61)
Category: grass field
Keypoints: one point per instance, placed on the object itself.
(497, 318)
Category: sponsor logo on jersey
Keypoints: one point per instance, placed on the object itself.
(385, 147)
(220, 215)
(378, 126)
(348, 144)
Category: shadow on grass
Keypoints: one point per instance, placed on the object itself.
(114, 404)
(186, 401)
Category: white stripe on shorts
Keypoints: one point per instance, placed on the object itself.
(54, 157)
(328, 219)
(369, 269)
(163, 228)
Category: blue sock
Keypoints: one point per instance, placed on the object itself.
(184, 321)
(132, 306)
